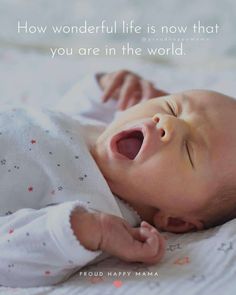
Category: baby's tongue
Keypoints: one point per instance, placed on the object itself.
(129, 147)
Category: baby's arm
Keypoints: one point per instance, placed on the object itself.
(39, 247)
(44, 247)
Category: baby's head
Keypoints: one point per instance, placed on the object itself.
(173, 159)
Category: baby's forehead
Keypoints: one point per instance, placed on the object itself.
(202, 100)
(200, 97)
(215, 111)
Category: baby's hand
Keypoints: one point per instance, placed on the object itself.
(142, 244)
(114, 235)
(127, 87)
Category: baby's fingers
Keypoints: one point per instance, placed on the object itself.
(151, 243)
(144, 246)
(147, 89)
(134, 99)
(152, 249)
(128, 88)
(115, 82)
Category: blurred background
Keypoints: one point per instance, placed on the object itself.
(26, 64)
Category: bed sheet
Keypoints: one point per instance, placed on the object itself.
(195, 263)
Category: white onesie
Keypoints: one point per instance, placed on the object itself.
(46, 171)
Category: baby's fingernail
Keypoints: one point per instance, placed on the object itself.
(145, 224)
(148, 226)
(153, 230)
(144, 231)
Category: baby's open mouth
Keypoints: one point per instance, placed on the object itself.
(130, 143)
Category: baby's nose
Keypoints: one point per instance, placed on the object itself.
(156, 120)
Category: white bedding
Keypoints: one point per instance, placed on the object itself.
(196, 263)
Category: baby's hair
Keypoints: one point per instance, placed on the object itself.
(221, 207)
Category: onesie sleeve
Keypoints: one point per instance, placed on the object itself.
(84, 100)
(39, 248)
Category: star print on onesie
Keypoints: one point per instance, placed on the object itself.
(46, 171)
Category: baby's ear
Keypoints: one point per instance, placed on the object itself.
(168, 223)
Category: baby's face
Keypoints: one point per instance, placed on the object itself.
(173, 154)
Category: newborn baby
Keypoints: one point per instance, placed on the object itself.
(172, 158)
(169, 158)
